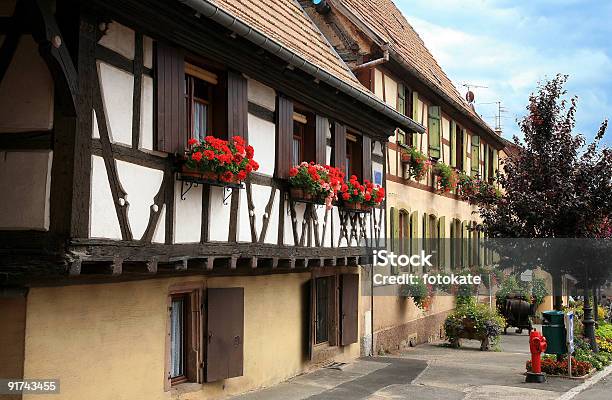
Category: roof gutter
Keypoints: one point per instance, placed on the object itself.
(209, 10)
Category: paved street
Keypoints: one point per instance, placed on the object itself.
(433, 372)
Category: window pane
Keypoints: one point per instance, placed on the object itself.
(199, 120)
(177, 337)
(322, 291)
(295, 155)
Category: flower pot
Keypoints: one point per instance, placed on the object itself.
(296, 193)
(353, 205)
(308, 195)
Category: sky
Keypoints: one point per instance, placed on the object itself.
(510, 45)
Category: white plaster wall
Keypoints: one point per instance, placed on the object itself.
(262, 136)
(328, 153)
(25, 180)
(141, 185)
(159, 236)
(146, 114)
(119, 38)
(26, 92)
(219, 215)
(117, 93)
(261, 94)
(187, 214)
(260, 196)
(103, 222)
(95, 130)
(287, 229)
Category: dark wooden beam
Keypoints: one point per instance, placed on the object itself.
(36, 140)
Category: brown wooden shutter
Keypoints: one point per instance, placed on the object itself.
(225, 340)
(170, 99)
(237, 105)
(321, 139)
(349, 308)
(367, 157)
(340, 147)
(284, 136)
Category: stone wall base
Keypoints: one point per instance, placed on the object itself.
(421, 330)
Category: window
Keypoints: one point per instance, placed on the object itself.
(322, 289)
(183, 339)
(297, 154)
(199, 94)
(354, 162)
(178, 337)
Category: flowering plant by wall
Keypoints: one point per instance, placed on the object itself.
(222, 160)
(353, 191)
(417, 162)
(374, 194)
(476, 190)
(446, 178)
(316, 182)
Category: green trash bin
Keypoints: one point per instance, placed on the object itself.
(553, 329)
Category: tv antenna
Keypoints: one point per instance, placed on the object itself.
(469, 95)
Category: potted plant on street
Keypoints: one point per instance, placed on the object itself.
(219, 161)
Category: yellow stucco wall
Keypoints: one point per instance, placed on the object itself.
(108, 341)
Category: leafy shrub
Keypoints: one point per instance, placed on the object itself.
(473, 319)
(551, 366)
(604, 331)
(509, 286)
(538, 290)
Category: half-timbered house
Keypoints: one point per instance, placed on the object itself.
(388, 57)
(126, 279)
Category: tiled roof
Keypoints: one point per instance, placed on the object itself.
(286, 22)
(388, 22)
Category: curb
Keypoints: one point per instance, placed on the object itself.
(570, 394)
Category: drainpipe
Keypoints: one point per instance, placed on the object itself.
(378, 61)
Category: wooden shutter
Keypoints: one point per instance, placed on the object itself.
(284, 136)
(367, 157)
(350, 308)
(434, 128)
(237, 105)
(442, 242)
(415, 116)
(453, 144)
(401, 98)
(414, 232)
(495, 162)
(486, 162)
(322, 125)
(465, 135)
(171, 124)
(340, 147)
(333, 325)
(310, 324)
(475, 155)
(225, 340)
(465, 240)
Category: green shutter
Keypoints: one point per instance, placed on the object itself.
(453, 144)
(434, 130)
(395, 235)
(442, 243)
(475, 155)
(401, 98)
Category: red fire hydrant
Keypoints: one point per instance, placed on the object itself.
(537, 345)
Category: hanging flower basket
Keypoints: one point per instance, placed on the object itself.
(417, 163)
(315, 183)
(446, 178)
(219, 161)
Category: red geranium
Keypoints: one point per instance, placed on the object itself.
(197, 156)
